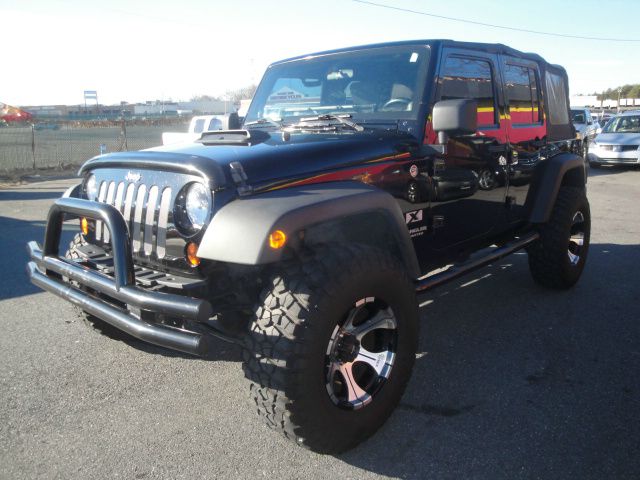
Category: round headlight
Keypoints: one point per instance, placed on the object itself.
(192, 208)
(91, 187)
(198, 205)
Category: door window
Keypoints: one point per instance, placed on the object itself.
(522, 94)
(471, 78)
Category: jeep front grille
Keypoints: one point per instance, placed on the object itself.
(146, 211)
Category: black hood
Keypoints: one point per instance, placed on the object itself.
(274, 160)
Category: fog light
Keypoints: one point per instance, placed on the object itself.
(84, 226)
(277, 239)
(192, 254)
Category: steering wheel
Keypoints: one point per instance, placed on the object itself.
(399, 104)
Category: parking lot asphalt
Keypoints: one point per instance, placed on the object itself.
(511, 380)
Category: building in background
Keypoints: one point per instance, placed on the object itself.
(152, 108)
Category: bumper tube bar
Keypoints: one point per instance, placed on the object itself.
(46, 270)
(166, 303)
(432, 281)
(113, 219)
(183, 341)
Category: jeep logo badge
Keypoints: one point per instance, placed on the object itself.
(132, 177)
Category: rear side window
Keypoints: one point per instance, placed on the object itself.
(522, 94)
(470, 78)
(557, 99)
(215, 124)
(199, 126)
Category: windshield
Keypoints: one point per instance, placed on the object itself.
(384, 83)
(625, 124)
(577, 116)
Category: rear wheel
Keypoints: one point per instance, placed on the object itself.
(332, 346)
(558, 258)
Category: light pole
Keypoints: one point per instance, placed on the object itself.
(619, 92)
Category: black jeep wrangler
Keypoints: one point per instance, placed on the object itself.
(304, 236)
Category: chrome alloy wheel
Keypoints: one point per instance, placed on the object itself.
(486, 180)
(576, 238)
(361, 354)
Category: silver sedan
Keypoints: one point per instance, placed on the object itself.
(619, 142)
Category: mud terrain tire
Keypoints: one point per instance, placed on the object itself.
(292, 357)
(558, 258)
(91, 321)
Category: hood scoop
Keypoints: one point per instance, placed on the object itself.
(234, 137)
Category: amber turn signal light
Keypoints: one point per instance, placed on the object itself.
(84, 226)
(192, 254)
(277, 239)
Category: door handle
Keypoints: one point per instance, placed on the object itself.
(502, 148)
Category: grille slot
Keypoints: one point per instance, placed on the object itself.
(102, 195)
(163, 219)
(150, 220)
(146, 211)
(137, 217)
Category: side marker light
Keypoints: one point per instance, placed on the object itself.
(277, 239)
(84, 226)
(192, 254)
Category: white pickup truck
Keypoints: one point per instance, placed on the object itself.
(199, 124)
(586, 127)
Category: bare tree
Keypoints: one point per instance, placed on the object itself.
(244, 93)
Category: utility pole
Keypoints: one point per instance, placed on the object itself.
(619, 92)
(33, 145)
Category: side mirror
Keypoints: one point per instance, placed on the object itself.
(454, 117)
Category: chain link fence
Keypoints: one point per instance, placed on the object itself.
(62, 144)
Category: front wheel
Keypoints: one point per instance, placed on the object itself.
(558, 258)
(486, 179)
(91, 321)
(332, 346)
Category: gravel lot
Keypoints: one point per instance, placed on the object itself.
(512, 381)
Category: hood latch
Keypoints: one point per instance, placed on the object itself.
(240, 179)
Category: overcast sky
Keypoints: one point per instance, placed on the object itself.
(137, 50)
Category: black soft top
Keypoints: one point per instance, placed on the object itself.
(559, 127)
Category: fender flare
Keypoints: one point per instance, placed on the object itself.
(73, 191)
(239, 231)
(559, 170)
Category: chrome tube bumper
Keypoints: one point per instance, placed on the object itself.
(46, 270)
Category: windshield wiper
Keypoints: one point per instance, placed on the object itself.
(265, 121)
(343, 119)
